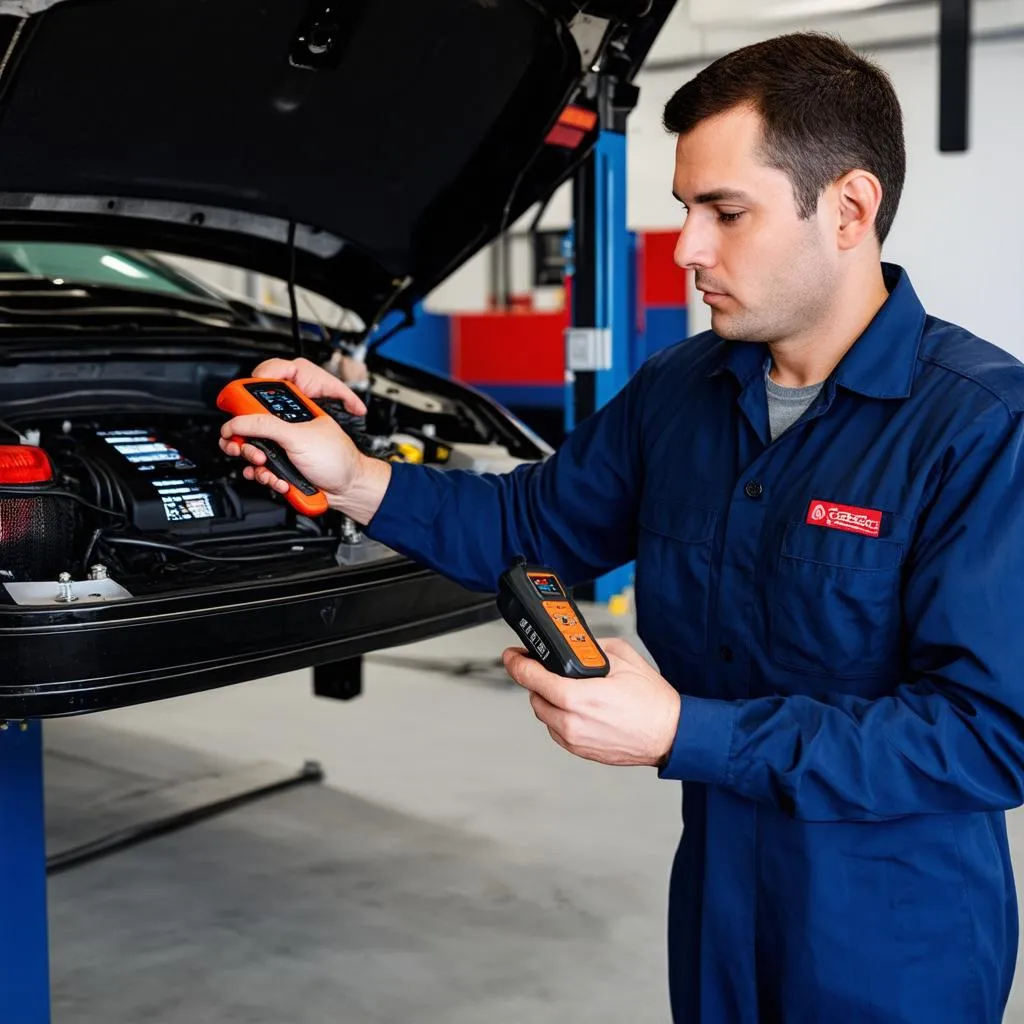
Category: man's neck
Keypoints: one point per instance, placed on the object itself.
(809, 358)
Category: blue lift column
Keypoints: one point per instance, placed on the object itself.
(598, 344)
(24, 941)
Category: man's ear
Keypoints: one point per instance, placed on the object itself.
(858, 194)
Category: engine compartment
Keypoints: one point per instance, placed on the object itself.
(145, 503)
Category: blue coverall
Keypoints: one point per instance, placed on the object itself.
(841, 611)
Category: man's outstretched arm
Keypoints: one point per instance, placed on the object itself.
(576, 511)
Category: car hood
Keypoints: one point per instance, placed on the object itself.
(364, 148)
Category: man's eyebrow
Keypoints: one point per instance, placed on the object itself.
(718, 195)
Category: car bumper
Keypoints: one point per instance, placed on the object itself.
(73, 661)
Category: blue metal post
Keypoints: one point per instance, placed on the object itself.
(612, 255)
(599, 348)
(612, 296)
(633, 318)
(24, 942)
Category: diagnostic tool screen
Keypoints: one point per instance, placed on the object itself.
(546, 586)
(281, 402)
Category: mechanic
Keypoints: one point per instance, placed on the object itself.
(824, 498)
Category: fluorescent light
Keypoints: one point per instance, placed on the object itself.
(717, 12)
(122, 267)
(810, 8)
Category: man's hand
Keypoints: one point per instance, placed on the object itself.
(627, 718)
(320, 450)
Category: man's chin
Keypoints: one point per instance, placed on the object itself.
(731, 327)
(724, 326)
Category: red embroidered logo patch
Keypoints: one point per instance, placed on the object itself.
(865, 521)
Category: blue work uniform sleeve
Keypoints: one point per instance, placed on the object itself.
(950, 738)
(575, 512)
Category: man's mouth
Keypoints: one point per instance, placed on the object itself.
(707, 289)
(711, 297)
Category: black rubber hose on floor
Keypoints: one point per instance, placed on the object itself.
(105, 845)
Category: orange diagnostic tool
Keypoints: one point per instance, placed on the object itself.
(281, 399)
(536, 605)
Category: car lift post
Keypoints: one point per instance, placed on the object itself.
(24, 932)
(597, 344)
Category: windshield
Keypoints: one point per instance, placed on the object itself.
(96, 265)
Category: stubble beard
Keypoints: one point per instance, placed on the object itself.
(797, 301)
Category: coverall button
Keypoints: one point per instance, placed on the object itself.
(753, 489)
(725, 652)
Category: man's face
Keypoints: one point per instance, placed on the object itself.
(766, 274)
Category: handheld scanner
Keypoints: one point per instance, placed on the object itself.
(281, 399)
(537, 606)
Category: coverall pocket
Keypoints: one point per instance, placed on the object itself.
(835, 606)
(673, 571)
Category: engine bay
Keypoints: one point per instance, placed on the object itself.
(130, 504)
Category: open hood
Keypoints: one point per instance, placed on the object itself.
(365, 148)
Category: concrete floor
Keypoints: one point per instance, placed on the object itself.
(455, 867)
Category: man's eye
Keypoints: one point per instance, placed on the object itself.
(730, 218)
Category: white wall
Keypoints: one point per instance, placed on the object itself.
(960, 229)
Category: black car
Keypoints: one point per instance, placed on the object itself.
(362, 152)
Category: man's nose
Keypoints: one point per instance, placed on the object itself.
(693, 248)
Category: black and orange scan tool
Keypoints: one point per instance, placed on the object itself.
(260, 395)
(537, 606)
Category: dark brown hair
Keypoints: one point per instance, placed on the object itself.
(825, 111)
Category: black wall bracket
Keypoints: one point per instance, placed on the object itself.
(954, 74)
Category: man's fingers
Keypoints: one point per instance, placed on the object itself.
(615, 647)
(255, 425)
(545, 711)
(533, 676)
(352, 402)
(563, 728)
(559, 740)
(261, 425)
(264, 476)
(253, 455)
(311, 380)
(279, 369)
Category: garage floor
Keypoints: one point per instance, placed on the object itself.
(455, 867)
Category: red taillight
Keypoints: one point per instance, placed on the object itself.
(24, 464)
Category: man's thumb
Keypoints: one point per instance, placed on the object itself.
(255, 425)
(615, 647)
